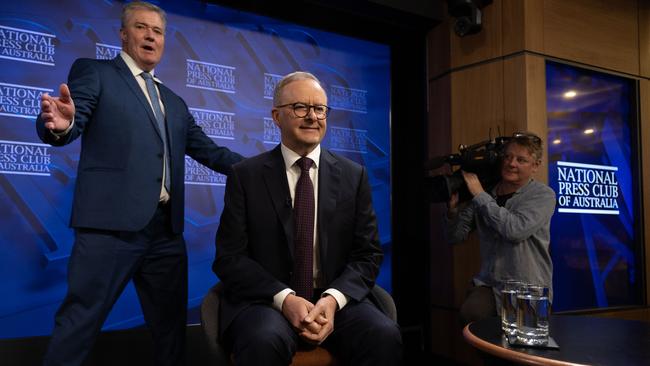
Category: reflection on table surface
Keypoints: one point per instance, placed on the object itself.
(582, 340)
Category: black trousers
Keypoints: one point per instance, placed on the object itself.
(363, 335)
(101, 264)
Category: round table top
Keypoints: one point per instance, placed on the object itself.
(582, 340)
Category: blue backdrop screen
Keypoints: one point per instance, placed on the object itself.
(225, 64)
(593, 169)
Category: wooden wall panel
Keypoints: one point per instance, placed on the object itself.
(448, 339)
(476, 103)
(644, 38)
(534, 26)
(438, 52)
(525, 100)
(440, 117)
(444, 328)
(441, 260)
(439, 138)
(523, 23)
(601, 33)
(515, 90)
(513, 26)
(536, 94)
(466, 264)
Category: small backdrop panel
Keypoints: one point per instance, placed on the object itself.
(594, 171)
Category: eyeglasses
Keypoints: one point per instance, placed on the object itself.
(522, 135)
(301, 110)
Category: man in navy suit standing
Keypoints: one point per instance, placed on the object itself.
(128, 203)
(298, 249)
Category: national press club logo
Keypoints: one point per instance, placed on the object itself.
(352, 100)
(209, 76)
(197, 174)
(587, 188)
(271, 132)
(216, 124)
(106, 51)
(348, 99)
(21, 101)
(270, 82)
(347, 139)
(27, 46)
(24, 158)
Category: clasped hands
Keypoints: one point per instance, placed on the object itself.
(313, 322)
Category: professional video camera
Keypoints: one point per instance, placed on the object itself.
(482, 159)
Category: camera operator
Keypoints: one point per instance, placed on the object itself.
(513, 223)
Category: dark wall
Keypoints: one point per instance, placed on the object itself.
(424, 8)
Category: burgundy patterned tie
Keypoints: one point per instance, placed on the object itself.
(303, 232)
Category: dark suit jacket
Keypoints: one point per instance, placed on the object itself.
(255, 237)
(120, 165)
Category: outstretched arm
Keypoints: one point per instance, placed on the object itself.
(57, 112)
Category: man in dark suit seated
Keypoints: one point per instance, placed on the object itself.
(297, 247)
(129, 196)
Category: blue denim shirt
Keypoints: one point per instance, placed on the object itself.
(514, 239)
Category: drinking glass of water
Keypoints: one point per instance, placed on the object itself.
(509, 306)
(532, 315)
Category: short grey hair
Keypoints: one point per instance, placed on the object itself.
(288, 79)
(128, 8)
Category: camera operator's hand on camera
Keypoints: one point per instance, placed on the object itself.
(473, 184)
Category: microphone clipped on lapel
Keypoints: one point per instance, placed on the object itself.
(288, 202)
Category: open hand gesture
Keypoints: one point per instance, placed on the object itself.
(57, 112)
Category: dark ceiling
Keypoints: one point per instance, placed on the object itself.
(371, 19)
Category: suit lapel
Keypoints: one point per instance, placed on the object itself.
(124, 71)
(275, 179)
(329, 179)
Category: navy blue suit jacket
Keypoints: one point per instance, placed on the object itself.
(121, 161)
(255, 238)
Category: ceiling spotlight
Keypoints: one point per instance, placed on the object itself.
(570, 94)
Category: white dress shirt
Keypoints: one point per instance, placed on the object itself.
(293, 173)
(137, 74)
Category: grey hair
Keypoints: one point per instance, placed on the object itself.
(128, 8)
(288, 79)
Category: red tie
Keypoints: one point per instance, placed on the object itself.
(303, 213)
